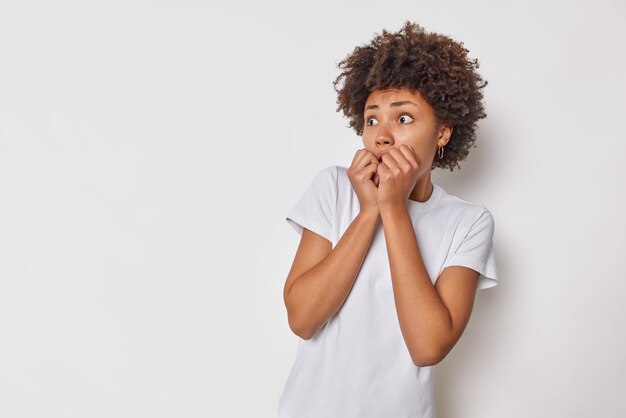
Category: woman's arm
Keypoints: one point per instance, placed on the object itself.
(432, 318)
(321, 278)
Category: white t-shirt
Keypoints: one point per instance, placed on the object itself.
(358, 365)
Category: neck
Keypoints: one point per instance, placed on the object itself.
(423, 189)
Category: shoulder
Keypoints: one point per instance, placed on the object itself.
(343, 181)
(329, 172)
(463, 211)
(342, 175)
(326, 178)
(337, 175)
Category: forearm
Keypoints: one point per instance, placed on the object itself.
(423, 317)
(319, 293)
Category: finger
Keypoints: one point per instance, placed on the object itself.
(389, 160)
(368, 171)
(371, 157)
(358, 155)
(400, 158)
(401, 164)
(383, 171)
(367, 159)
(409, 154)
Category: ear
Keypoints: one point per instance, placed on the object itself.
(445, 132)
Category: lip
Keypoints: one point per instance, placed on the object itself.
(380, 155)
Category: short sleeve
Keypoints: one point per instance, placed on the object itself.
(315, 209)
(476, 251)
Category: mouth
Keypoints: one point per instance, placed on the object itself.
(380, 155)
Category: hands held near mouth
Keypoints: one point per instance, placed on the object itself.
(381, 185)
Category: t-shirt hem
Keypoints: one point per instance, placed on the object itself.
(487, 277)
(298, 222)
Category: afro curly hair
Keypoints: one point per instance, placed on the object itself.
(433, 64)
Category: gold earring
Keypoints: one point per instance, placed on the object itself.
(440, 152)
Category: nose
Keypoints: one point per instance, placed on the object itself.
(384, 136)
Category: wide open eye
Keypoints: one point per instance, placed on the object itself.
(405, 119)
(372, 121)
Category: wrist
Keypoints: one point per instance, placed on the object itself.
(392, 210)
(369, 212)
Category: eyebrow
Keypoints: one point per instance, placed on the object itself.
(394, 104)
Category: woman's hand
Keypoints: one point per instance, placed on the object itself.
(398, 173)
(360, 173)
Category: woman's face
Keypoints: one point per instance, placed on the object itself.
(396, 116)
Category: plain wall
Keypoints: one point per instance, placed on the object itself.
(149, 152)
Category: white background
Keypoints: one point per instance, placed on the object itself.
(149, 152)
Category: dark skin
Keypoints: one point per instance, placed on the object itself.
(432, 318)
(400, 131)
(434, 64)
(401, 137)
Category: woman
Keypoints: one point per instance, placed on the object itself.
(383, 282)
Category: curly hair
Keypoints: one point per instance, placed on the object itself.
(434, 64)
